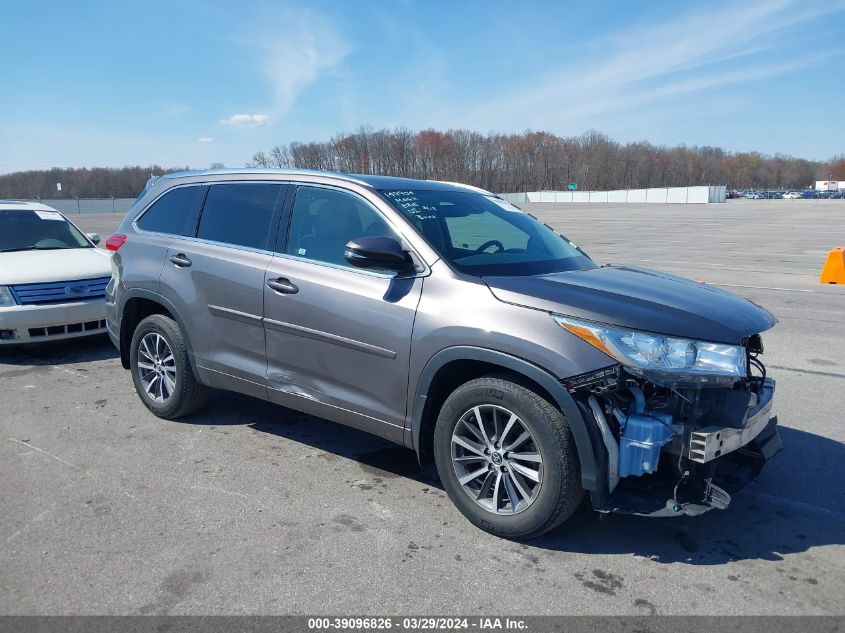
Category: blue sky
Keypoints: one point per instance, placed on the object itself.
(191, 82)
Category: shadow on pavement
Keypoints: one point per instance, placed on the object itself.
(383, 458)
(792, 507)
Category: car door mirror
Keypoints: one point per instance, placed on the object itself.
(377, 252)
(94, 237)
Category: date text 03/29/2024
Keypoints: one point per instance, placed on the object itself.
(417, 623)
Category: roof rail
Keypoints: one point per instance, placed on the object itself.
(265, 170)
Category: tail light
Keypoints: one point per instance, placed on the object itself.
(115, 242)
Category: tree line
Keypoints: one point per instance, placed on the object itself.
(95, 182)
(533, 161)
(503, 163)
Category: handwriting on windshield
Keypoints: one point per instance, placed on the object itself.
(409, 203)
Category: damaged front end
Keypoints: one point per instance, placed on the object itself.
(676, 441)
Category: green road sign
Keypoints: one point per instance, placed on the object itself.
(572, 186)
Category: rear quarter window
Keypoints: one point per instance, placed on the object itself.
(170, 213)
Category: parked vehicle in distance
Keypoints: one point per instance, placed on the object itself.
(734, 194)
(754, 195)
(792, 195)
(52, 278)
(447, 320)
(772, 195)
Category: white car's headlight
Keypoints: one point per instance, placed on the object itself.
(6, 297)
(666, 356)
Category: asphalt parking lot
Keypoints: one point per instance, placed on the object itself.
(251, 508)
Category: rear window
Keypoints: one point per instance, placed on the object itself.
(169, 214)
(240, 214)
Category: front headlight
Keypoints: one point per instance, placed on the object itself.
(655, 354)
(6, 297)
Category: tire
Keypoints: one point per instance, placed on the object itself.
(557, 494)
(176, 391)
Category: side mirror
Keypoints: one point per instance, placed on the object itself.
(94, 237)
(377, 252)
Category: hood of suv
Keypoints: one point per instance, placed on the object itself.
(31, 267)
(639, 299)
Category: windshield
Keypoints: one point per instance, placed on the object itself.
(24, 229)
(484, 235)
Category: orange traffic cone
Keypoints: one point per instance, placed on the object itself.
(834, 268)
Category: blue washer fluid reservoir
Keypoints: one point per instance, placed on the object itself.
(642, 438)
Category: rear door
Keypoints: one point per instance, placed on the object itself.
(338, 337)
(216, 282)
(172, 215)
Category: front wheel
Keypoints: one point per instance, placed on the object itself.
(161, 370)
(507, 458)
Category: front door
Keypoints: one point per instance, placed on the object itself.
(338, 338)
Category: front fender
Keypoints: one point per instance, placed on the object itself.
(590, 475)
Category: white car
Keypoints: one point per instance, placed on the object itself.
(52, 276)
(791, 195)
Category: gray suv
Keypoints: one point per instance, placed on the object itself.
(443, 318)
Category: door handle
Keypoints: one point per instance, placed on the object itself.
(283, 286)
(181, 260)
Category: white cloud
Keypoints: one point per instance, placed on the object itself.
(246, 120)
(205, 139)
(296, 47)
(651, 62)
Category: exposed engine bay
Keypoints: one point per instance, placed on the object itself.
(677, 447)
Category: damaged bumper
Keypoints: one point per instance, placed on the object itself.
(711, 442)
(657, 495)
(658, 464)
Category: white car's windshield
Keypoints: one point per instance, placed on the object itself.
(25, 230)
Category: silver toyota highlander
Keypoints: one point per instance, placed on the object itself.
(445, 319)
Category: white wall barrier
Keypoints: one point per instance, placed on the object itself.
(655, 195)
(636, 195)
(717, 193)
(699, 195)
(677, 194)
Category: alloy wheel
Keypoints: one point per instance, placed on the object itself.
(156, 367)
(496, 459)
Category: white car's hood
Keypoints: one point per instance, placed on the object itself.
(31, 267)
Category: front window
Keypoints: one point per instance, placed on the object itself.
(483, 235)
(31, 230)
(324, 220)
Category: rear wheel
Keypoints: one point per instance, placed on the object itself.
(507, 458)
(161, 370)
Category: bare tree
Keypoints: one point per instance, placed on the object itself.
(527, 161)
(94, 182)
